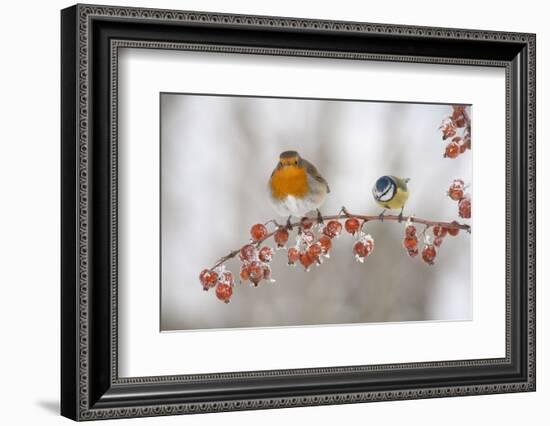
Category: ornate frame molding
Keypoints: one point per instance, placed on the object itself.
(78, 24)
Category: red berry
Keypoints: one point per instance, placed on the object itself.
(465, 208)
(306, 223)
(440, 231)
(281, 237)
(332, 229)
(208, 278)
(438, 241)
(456, 190)
(306, 260)
(410, 231)
(224, 292)
(428, 254)
(360, 249)
(363, 247)
(245, 272)
(256, 272)
(410, 242)
(462, 146)
(448, 128)
(266, 254)
(293, 255)
(326, 243)
(352, 225)
(315, 250)
(258, 231)
(453, 231)
(413, 252)
(452, 150)
(248, 253)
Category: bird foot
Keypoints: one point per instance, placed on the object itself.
(381, 216)
(400, 217)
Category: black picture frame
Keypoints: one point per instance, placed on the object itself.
(90, 386)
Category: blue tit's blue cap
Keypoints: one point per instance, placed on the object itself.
(382, 183)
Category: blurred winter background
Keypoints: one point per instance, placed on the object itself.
(217, 154)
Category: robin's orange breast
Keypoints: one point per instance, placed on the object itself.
(289, 180)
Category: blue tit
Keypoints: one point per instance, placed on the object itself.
(391, 192)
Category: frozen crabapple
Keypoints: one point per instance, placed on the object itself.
(256, 272)
(315, 250)
(452, 150)
(363, 247)
(413, 252)
(465, 207)
(248, 252)
(456, 190)
(410, 242)
(326, 244)
(245, 272)
(293, 255)
(258, 232)
(352, 225)
(267, 272)
(429, 253)
(281, 237)
(224, 292)
(439, 231)
(332, 229)
(448, 128)
(453, 231)
(208, 278)
(438, 241)
(306, 260)
(410, 231)
(266, 254)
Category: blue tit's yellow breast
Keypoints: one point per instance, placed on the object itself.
(397, 201)
(289, 180)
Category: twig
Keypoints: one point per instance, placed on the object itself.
(365, 218)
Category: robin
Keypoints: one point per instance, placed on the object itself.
(391, 192)
(296, 187)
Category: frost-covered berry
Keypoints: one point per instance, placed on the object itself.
(465, 207)
(326, 243)
(293, 255)
(256, 272)
(224, 292)
(439, 231)
(306, 260)
(258, 231)
(410, 242)
(352, 225)
(248, 253)
(413, 252)
(456, 190)
(452, 150)
(428, 254)
(332, 229)
(410, 231)
(363, 247)
(208, 278)
(315, 250)
(453, 231)
(266, 254)
(281, 237)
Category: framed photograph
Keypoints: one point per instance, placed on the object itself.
(263, 212)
